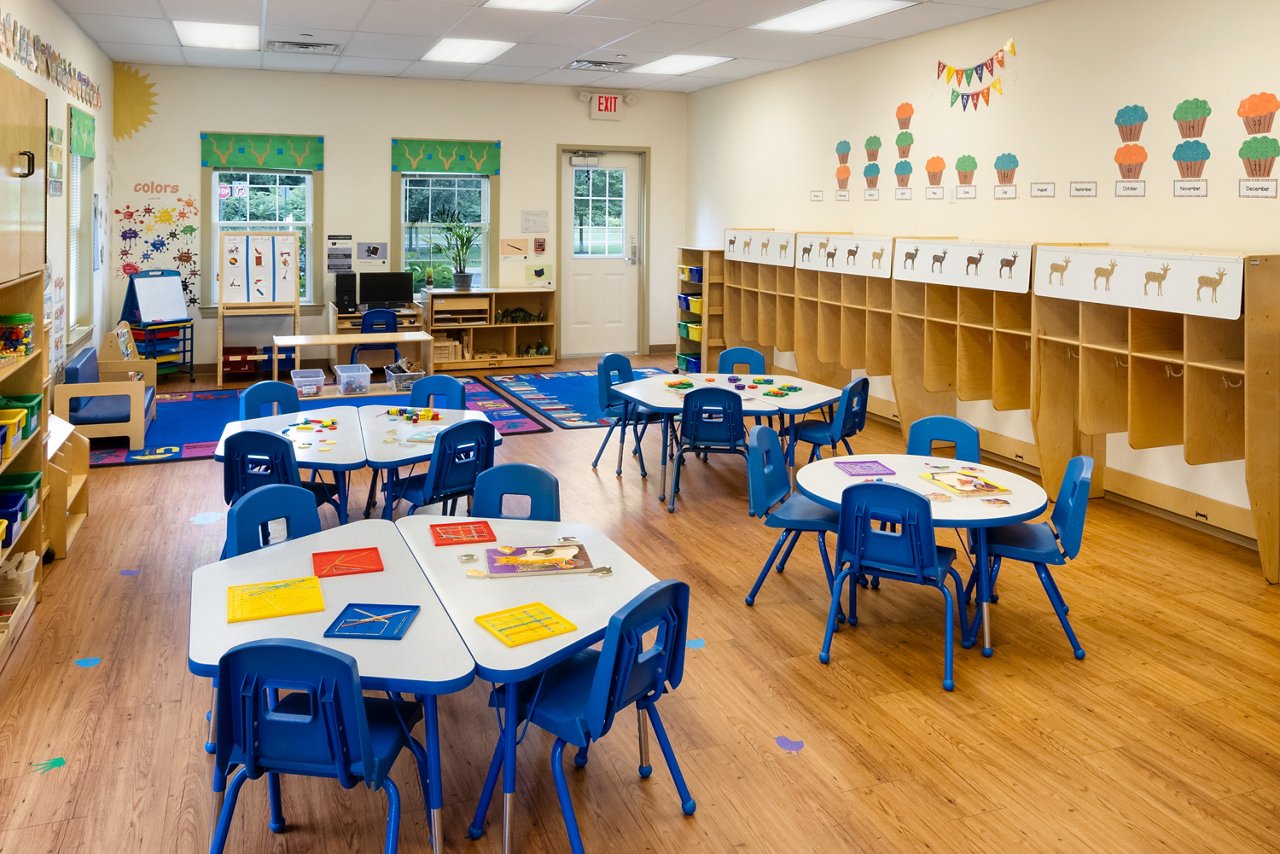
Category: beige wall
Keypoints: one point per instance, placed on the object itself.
(359, 115)
(1078, 62)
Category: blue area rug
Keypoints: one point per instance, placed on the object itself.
(567, 398)
(188, 424)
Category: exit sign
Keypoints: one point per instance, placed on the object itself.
(606, 107)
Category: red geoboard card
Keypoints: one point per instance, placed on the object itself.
(462, 533)
(346, 562)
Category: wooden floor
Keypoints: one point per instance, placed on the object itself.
(1165, 737)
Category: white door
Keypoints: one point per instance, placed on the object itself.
(600, 234)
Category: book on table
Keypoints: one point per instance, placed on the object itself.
(965, 483)
(517, 561)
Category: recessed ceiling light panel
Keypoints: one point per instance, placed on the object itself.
(536, 5)
(680, 63)
(475, 51)
(224, 36)
(830, 14)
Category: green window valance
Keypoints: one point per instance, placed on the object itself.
(83, 127)
(261, 151)
(458, 156)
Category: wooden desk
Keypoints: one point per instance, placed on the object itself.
(421, 340)
(408, 319)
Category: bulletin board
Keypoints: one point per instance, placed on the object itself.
(258, 268)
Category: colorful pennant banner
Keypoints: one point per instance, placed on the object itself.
(962, 75)
(983, 95)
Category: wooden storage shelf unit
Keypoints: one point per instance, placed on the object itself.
(67, 507)
(492, 327)
(701, 298)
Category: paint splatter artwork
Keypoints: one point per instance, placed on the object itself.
(161, 233)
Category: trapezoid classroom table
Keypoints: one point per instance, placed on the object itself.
(401, 666)
(825, 481)
(421, 340)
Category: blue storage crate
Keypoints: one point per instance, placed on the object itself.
(12, 505)
(286, 358)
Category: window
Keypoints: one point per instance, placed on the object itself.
(267, 201)
(598, 225)
(80, 242)
(428, 199)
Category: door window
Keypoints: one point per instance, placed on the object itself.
(598, 203)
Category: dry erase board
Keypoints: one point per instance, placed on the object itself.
(159, 296)
(258, 267)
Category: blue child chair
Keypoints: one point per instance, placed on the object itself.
(614, 369)
(253, 510)
(323, 726)
(377, 320)
(577, 700)
(770, 497)
(849, 419)
(711, 423)
(517, 479)
(887, 529)
(745, 358)
(945, 430)
(264, 394)
(254, 458)
(462, 451)
(439, 391)
(1052, 543)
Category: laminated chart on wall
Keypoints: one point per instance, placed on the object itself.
(258, 267)
(855, 254)
(963, 264)
(776, 248)
(1199, 285)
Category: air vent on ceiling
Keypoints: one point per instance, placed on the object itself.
(597, 65)
(321, 48)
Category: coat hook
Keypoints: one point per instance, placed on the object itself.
(1170, 371)
(1121, 363)
(1226, 381)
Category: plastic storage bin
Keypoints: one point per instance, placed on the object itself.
(13, 420)
(308, 381)
(353, 379)
(683, 328)
(12, 505)
(27, 483)
(285, 356)
(237, 360)
(691, 273)
(17, 335)
(695, 304)
(19, 574)
(683, 301)
(695, 331)
(689, 363)
(402, 380)
(31, 404)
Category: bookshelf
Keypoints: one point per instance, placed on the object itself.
(700, 308)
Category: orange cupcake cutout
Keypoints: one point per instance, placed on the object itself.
(933, 168)
(903, 114)
(1258, 111)
(1130, 158)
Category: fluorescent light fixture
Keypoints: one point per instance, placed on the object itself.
(467, 50)
(536, 5)
(224, 36)
(830, 14)
(680, 63)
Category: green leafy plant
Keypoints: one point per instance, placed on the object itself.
(457, 238)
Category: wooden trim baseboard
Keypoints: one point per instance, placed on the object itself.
(1196, 510)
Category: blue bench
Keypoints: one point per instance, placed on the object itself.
(108, 398)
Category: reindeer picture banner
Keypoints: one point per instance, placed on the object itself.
(1201, 285)
(961, 264)
(775, 248)
(261, 151)
(457, 156)
(854, 254)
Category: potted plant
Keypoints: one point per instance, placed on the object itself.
(457, 238)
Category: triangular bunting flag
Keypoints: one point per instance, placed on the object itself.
(942, 66)
(955, 96)
(950, 73)
(991, 65)
(975, 100)
(1000, 58)
(964, 101)
(968, 76)
(977, 69)
(999, 85)
(986, 95)
(1013, 51)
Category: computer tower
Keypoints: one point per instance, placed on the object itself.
(345, 293)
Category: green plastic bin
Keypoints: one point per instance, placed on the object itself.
(32, 403)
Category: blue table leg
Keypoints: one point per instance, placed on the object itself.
(343, 481)
(509, 766)
(435, 794)
(388, 502)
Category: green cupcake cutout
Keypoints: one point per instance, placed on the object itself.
(904, 138)
(966, 165)
(1191, 115)
(1259, 155)
(872, 143)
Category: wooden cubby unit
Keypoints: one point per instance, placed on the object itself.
(702, 274)
(480, 321)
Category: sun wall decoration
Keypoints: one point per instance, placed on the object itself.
(134, 102)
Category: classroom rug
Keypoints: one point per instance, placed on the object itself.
(188, 424)
(567, 398)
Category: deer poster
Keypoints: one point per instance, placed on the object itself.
(987, 266)
(776, 248)
(852, 254)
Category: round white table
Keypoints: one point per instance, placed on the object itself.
(826, 480)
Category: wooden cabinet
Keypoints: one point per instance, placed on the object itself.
(22, 179)
(492, 327)
(408, 319)
(700, 337)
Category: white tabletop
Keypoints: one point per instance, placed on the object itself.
(378, 428)
(652, 392)
(811, 396)
(431, 657)
(334, 339)
(585, 600)
(346, 453)
(824, 481)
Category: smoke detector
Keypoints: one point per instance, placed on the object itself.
(598, 65)
(313, 48)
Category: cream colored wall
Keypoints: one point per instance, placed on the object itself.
(49, 22)
(1078, 62)
(358, 116)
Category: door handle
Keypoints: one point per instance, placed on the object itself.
(633, 255)
(31, 163)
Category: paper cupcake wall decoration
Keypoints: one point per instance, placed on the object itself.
(1129, 120)
(842, 176)
(872, 145)
(1006, 167)
(1191, 115)
(842, 151)
(933, 169)
(872, 173)
(1258, 112)
(903, 173)
(1191, 155)
(904, 140)
(1259, 155)
(1130, 158)
(903, 114)
(966, 165)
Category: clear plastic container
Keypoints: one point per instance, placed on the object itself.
(403, 380)
(308, 381)
(17, 335)
(353, 379)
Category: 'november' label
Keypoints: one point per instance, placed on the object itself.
(1189, 189)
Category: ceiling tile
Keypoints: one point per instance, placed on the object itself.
(297, 62)
(412, 19)
(144, 54)
(683, 84)
(506, 25)
(504, 74)
(739, 69)
(382, 46)
(218, 58)
(913, 20)
(649, 10)
(668, 38)
(374, 67)
(295, 34)
(813, 47)
(586, 33)
(440, 70)
(326, 14)
(566, 77)
(735, 13)
(630, 57)
(540, 55)
(996, 4)
(132, 8)
(743, 43)
(222, 12)
(118, 28)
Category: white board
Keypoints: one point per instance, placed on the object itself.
(776, 248)
(964, 264)
(856, 254)
(258, 267)
(160, 297)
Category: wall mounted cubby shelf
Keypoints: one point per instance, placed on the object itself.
(1172, 348)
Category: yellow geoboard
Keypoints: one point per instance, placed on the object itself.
(282, 598)
(525, 624)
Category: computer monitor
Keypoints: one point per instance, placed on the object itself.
(381, 290)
